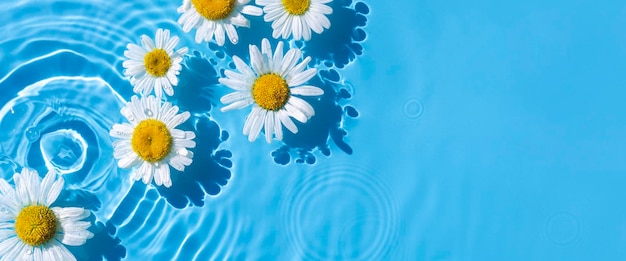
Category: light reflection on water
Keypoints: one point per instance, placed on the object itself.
(62, 88)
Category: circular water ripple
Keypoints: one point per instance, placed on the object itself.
(62, 87)
(413, 108)
(359, 224)
(62, 123)
(563, 228)
(153, 228)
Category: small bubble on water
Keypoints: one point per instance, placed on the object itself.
(32, 134)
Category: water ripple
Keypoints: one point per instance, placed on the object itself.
(77, 105)
(360, 224)
(155, 229)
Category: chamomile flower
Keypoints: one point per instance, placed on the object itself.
(297, 17)
(216, 18)
(151, 140)
(155, 64)
(269, 86)
(32, 230)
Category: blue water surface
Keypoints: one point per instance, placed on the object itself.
(448, 130)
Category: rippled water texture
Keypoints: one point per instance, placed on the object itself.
(463, 130)
(62, 88)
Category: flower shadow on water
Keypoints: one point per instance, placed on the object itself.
(337, 46)
(104, 245)
(196, 79)
(341, 43)
(324, 126)
(210, 169)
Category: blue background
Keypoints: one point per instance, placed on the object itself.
(481, 130)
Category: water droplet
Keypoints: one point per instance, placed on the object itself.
(32, 134)
(64, 150)
(413, 108)
(148, 112)
(131, 117)
(4, 210)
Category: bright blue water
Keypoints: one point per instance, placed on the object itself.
(481, 130)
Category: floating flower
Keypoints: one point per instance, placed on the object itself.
(296, 16)
(216, 18)
(151, 140)
(155, 65)
(270, 85)
(32, 230)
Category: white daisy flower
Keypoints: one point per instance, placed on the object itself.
(155, 65)
(269, 85)
(216, 18)
(32, 230)
(151, 140)
(297, 17)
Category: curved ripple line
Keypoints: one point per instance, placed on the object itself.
(84, 107)
(373, 195)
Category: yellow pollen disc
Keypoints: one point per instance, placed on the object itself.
(270, 91)
(214, 9)
(157, 62)
(296, 7)
(151, 140)
(35, 225)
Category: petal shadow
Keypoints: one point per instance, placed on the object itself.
(341, 43)
(194, 92)
(104, 245)
(209, 171)
(330, 110)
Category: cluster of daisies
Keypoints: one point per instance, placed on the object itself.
(32, 228)
(270, 83)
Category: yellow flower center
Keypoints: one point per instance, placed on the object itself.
(36, 225)
(270, 91)
(157, 62)
(151, 140)
(296, 7)
(214, 9)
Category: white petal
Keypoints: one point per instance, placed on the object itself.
(256, 60)
(10, 248)
(129, 162)
(164, 172)
(220, 37)
(235, 84)
(147, 43)
(243, 68)
(269, 126)
(289, 61)
(256, 110)
(234, 96)
(56, 251)
(302, 105)
(278, 127)
(307, 90)
(295, 113)
(255, 129)
(252, 10)
(302, 77)
(231, 32)
(238, 105)
(287, 122)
